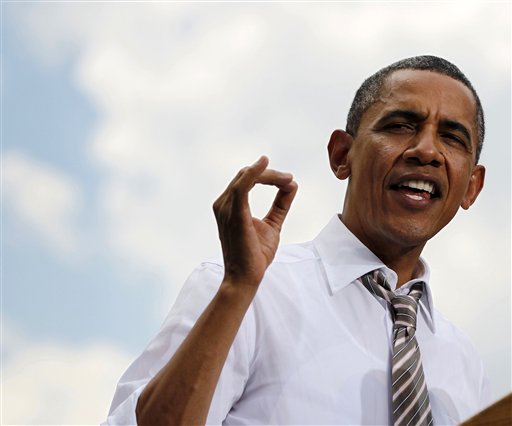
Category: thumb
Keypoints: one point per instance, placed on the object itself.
(281, 205)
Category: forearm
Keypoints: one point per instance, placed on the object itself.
(182, 391)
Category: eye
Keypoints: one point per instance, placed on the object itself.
(400, 128)
(454, 138)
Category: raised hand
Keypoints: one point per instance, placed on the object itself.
(249, 244)
(181, 393)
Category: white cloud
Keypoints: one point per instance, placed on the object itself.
(42, 199)
(52, 383)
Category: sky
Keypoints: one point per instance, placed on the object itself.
(121, 124)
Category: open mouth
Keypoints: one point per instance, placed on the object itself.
(417, 189)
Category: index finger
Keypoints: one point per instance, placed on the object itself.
(282, 180)
(246, 173)
(258, 173)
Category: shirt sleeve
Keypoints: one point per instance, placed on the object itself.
(195, 295)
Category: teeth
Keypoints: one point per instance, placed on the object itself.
(414, 197)
(419, 184)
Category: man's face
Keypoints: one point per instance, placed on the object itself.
(411, 164)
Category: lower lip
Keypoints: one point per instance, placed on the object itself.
(413, 200)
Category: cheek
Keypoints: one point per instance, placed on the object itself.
(386, 150)
(382, 157)
(460, 175)
(372, 159)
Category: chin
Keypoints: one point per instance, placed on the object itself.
(411, 235)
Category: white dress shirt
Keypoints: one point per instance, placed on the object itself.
(315, 345)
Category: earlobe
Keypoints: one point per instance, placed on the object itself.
(338, 148)
(476, 183)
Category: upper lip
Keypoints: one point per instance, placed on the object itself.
(420, 178)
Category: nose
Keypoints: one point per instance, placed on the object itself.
(425, 149)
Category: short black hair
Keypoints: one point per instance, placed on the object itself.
(369, 91)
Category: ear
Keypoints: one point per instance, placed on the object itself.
(338, 148)
(476, 183)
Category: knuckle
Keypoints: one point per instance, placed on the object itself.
(219, 207)
(241, 172)
(273, 222)
(236, 191)
(217, 204)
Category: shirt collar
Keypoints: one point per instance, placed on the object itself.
(345, 259)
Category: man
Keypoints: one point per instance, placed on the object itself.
(340, 330)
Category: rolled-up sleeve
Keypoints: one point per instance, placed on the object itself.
(195, 295)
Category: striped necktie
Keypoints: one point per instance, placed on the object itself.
(410, 401)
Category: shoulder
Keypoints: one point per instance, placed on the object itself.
(295, 253)
(292, 276)
(292, 265)
(292, 282)
(290, 259)
(286, 254)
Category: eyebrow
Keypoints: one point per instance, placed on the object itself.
(416, 117)
(406, 114)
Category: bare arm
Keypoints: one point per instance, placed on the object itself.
(182, 391)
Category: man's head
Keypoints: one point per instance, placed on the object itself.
(410, 158)
(369, 91)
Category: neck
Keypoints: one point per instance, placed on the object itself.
(406, 265)
(403, 259)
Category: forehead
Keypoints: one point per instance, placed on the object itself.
(432, 94)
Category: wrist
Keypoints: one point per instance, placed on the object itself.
(237, 292)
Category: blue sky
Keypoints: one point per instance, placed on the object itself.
(46, 115)
(122, 122)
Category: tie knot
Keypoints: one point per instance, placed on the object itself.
(404, 307)
(404, 310)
